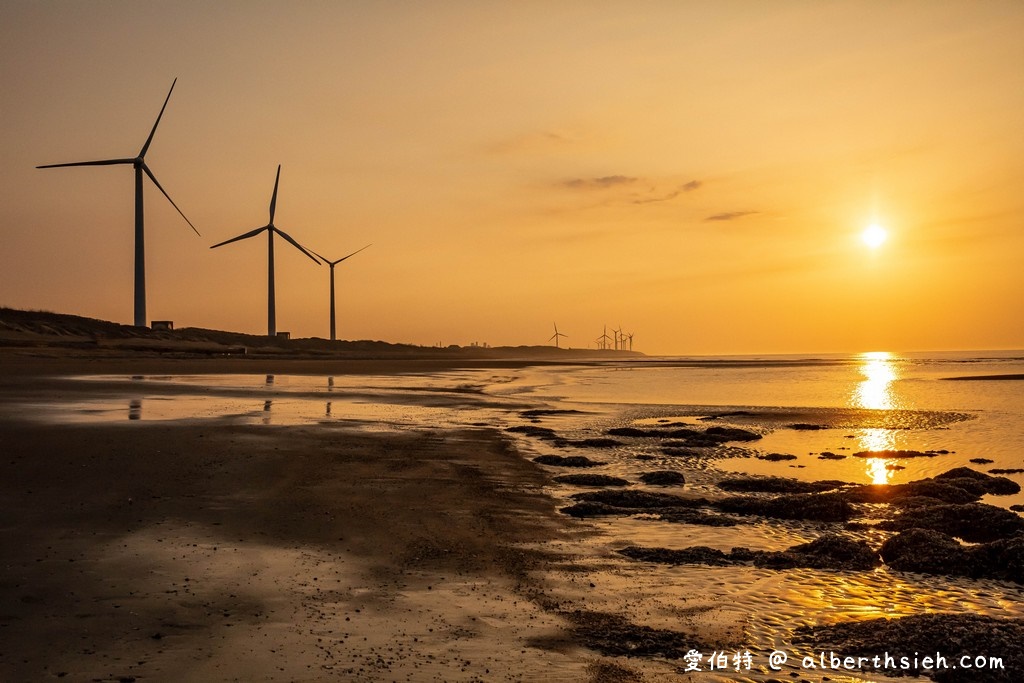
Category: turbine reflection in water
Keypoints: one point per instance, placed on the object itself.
(874, 392)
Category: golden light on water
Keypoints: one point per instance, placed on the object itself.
(878, 470)
(874, 392)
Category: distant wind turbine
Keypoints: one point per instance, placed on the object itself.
(604, 338)
(271, 229)
(332, 264)
(556, 335)
(139, 162)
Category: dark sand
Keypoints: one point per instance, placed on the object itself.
(218, 550)
(210, 551)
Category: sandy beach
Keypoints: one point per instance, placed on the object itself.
(145, 542)
(216, 551)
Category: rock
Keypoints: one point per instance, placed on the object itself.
(973, 522)
(932, 552)
(1017, 508)
(829, 455)
(663, 478)
(713, 436)
(531, 430)
(831, 551)
(964, 476)
(731, 434)
(685, 516)
(803, 426)
(893, 455)
(615, 636)
(1002, 559)
(926, 551)
(678, 452)
(633, 431)
(775, 485)
(982, 461)
(951, 635)
(694, 555)
(639, 500)
(1005, 471)
(567, 461)
(776, 457)
(720, 416)
(589, 509)
(591, 480)
(958, 486)
(825, 507)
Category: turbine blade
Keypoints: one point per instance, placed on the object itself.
(251, 233)
(145, 147)
(160, 187)
(352, 254)
(295, 244)
(273, 198)
(104, 162)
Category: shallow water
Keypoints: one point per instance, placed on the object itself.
(864, 403)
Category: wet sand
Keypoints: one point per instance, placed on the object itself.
(211, 550)
(224, 548)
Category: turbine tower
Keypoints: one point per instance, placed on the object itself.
(139, 162)
(604, 338)
(332, 264)
(556, 335)
(271, 229)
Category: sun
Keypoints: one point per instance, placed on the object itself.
(874, 235)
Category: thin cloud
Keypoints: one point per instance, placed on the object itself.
(687, 187)
(533, 142)
(602, 183)
(731, 215)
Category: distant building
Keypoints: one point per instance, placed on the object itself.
(162, 325)
(284, 335)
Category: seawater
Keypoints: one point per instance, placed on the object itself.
(869, 402)
(865, 403)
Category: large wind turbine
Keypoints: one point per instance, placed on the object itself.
(271, 229)
(139, 162)
(556, 335)
(332, 264)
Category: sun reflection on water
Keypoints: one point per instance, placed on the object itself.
(874, 392)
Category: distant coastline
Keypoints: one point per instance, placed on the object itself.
(986, 377)
(64, 334)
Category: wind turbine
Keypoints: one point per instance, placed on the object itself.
(332, 264)
(604, 338)
(556, 335)
(139, 162)
(271, 229)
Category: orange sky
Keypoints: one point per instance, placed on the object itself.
(698, 172)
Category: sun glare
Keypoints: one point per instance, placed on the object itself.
(874, 235)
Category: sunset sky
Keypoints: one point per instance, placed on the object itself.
(700, 173)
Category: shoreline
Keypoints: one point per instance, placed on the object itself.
(215, 550)
(421, 549)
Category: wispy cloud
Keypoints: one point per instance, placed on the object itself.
(686, 187)
(731, 215)
(601, 183)
(534, 142)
